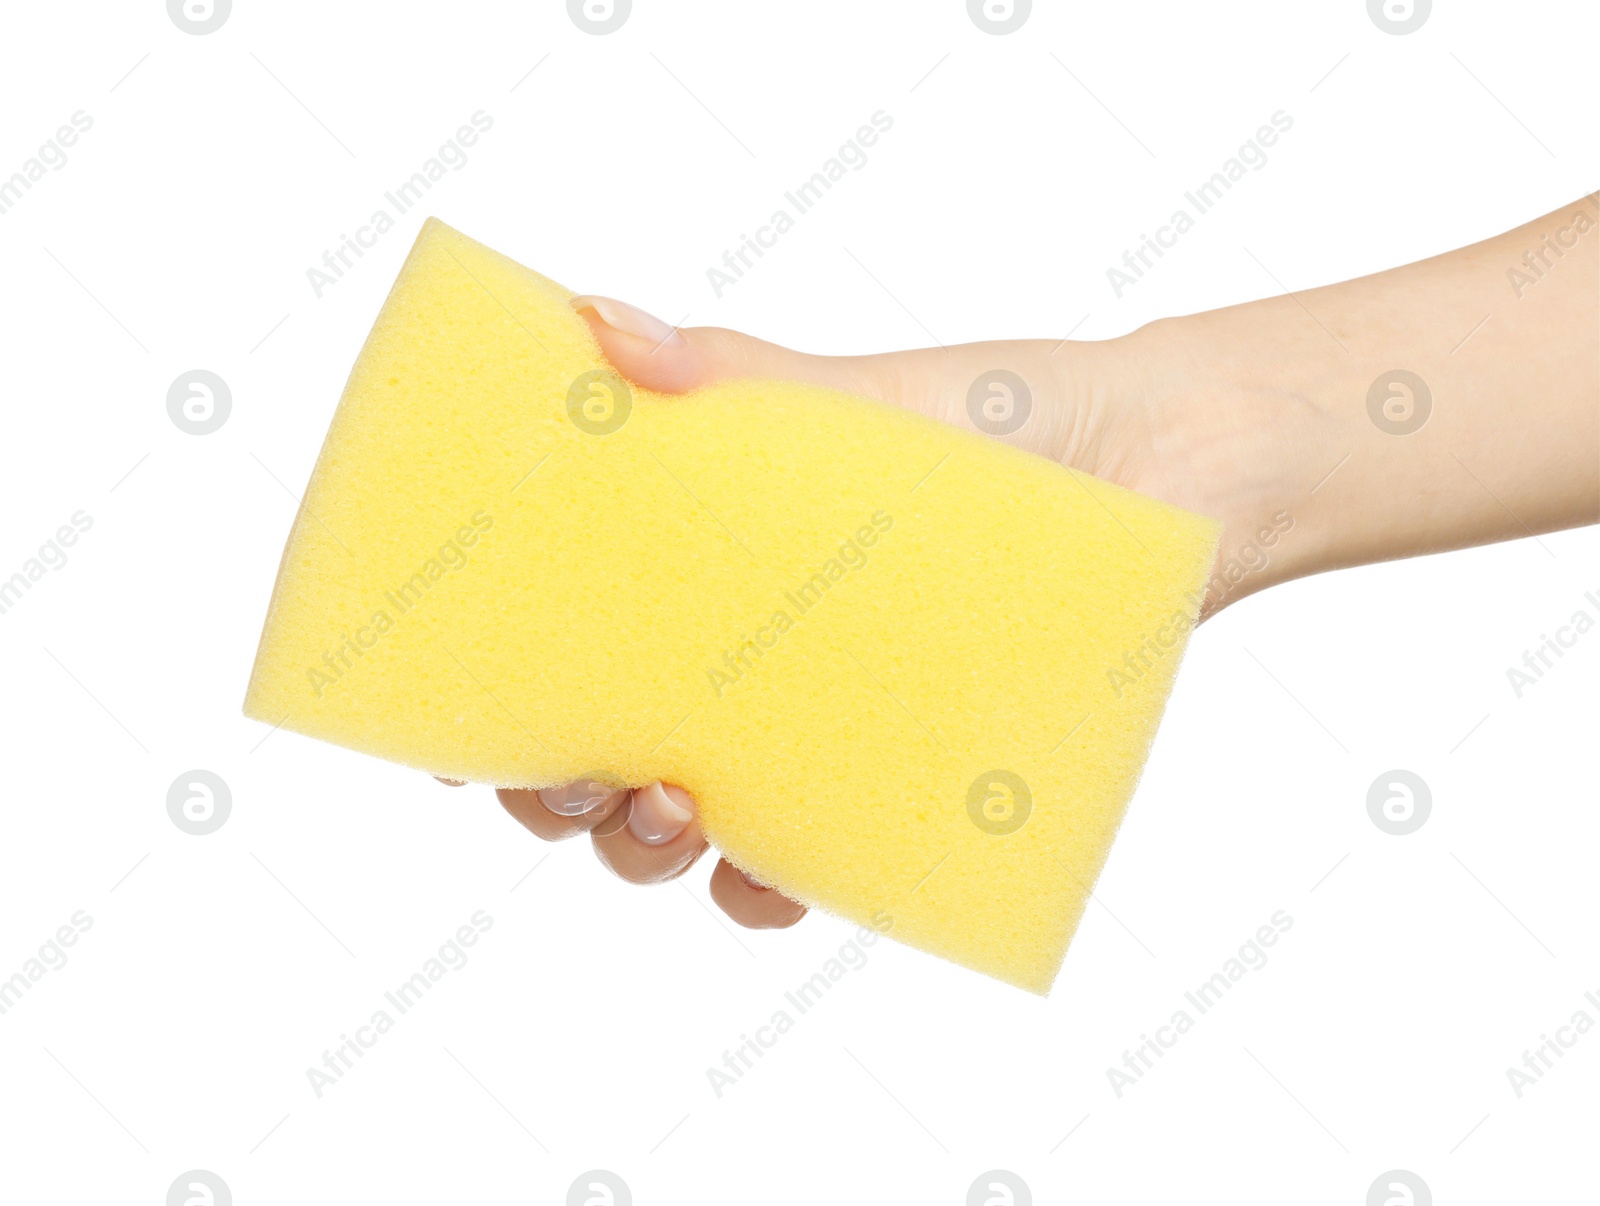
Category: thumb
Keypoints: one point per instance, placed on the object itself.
(675, 360)
(944, 383)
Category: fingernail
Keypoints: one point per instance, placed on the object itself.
(630, 320)
(575, 799)
(656, 817)
(752, 884)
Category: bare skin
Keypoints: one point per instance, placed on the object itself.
(1269, 416)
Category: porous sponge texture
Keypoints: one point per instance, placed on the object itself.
(910, 674)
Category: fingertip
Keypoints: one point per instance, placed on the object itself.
(654, 837)
(579, 797)
(644, 349)
(660, 813)
(555, 814)
(753, 905)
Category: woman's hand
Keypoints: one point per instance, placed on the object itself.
(1280, 417)
(651, 834)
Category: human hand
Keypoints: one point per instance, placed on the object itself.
(1279, 417)
(1258, 415)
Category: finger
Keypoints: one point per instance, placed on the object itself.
(675, 360)
(752, 905)
(658, 839)
(952, 384)
(556, 813)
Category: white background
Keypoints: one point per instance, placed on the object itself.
(219, 968)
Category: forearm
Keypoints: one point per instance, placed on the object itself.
(1269, 403)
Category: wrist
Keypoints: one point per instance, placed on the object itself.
(1246, 429)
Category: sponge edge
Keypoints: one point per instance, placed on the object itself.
(910, 674)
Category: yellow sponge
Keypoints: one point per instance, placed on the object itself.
(910, 674)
